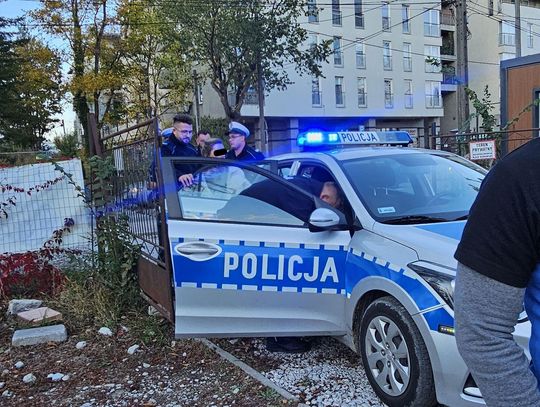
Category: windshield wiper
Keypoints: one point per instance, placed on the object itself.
(413, 219)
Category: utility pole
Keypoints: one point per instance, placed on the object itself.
(518, 27)
(196, 99)
(262, 124)
(462, 65)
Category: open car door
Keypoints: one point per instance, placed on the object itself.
(245, 262)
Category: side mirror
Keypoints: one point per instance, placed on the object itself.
(324, 218)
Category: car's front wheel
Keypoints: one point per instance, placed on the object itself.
(394, 355)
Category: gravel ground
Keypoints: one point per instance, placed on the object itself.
(176, 373)
(330, 374)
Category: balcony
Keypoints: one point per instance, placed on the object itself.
(386, 23)
(362, 98)
(387, 62)
(507, 39)
(450, 82)
(316, 99)
(338, 58)
(340, 98)
(433, 101)
(360, 60)
(448, 51)
(336, 17)
(448, 19)
(388, 100)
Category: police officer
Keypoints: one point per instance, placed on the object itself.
(238, 133)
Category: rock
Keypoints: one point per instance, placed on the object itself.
(124, 328)
(5, 372)
(2, 384)
(132, 349)
(146, 365)
(16, 306)
(105, 331)
(6, 393)
(65, 378)
(29, 378)
(55, 377)
(80, 344)
(33, 336)
(19, 365)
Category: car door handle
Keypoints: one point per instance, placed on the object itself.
(198, 251)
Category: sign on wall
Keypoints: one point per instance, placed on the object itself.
(482, 150)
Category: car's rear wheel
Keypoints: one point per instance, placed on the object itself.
(394, 355)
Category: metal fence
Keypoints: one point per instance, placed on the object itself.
(504, 142)
(38, 199)
(136, 182)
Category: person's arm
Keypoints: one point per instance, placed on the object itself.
(486, 313)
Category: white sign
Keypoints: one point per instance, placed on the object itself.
(482, 150)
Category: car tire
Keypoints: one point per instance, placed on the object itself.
(394, 355)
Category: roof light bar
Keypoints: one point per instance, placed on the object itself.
(345, 138)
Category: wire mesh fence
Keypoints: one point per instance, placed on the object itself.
(38, 199)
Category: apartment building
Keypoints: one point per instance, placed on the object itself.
(385, 73)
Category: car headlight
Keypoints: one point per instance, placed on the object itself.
(442, 279)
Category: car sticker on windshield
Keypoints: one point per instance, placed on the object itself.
(386, 209)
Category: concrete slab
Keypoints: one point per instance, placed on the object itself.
(44, 334)
(39, 316)
(16, 306)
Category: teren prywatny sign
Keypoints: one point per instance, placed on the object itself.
(482, 150)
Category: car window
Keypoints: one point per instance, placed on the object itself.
(413, 185)
(228, 193)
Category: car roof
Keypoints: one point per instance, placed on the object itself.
(344, 154)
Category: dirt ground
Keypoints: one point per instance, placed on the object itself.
(163, 373)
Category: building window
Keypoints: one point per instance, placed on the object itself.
(340, 95)
(405, 19)
(336, 13)
(316, 97)
(387, 55)
(408, 94)
(360, 54)
(358, 14)
(432, 58)
(507, 33)
(433, 94)
(313, 11)
(385, 10)
(388, 94)
(313, 41)
(407, 57)
(338, 53)
(530, 34)
(431, 23)
(362, 92)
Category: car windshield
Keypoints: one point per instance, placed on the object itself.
(415, 188)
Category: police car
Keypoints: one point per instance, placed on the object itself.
(256, 253)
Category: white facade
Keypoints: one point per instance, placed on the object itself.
(377, 77)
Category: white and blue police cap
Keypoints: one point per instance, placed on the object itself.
(238, 128)
(167, 132)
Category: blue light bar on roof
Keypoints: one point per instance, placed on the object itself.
(353, 138)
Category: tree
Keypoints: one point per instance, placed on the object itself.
(157, 78)
(88, 26)
(39, 91)
(234, 39)
(483, 108)
(9, 68)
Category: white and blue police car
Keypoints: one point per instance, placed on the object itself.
(255, 252)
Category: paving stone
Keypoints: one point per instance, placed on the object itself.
(44, 334)
(39, 316)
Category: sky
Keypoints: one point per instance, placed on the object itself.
(17, 8)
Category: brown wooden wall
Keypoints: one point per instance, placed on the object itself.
(522, 80)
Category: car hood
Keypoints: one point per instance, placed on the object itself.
(433, 242)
